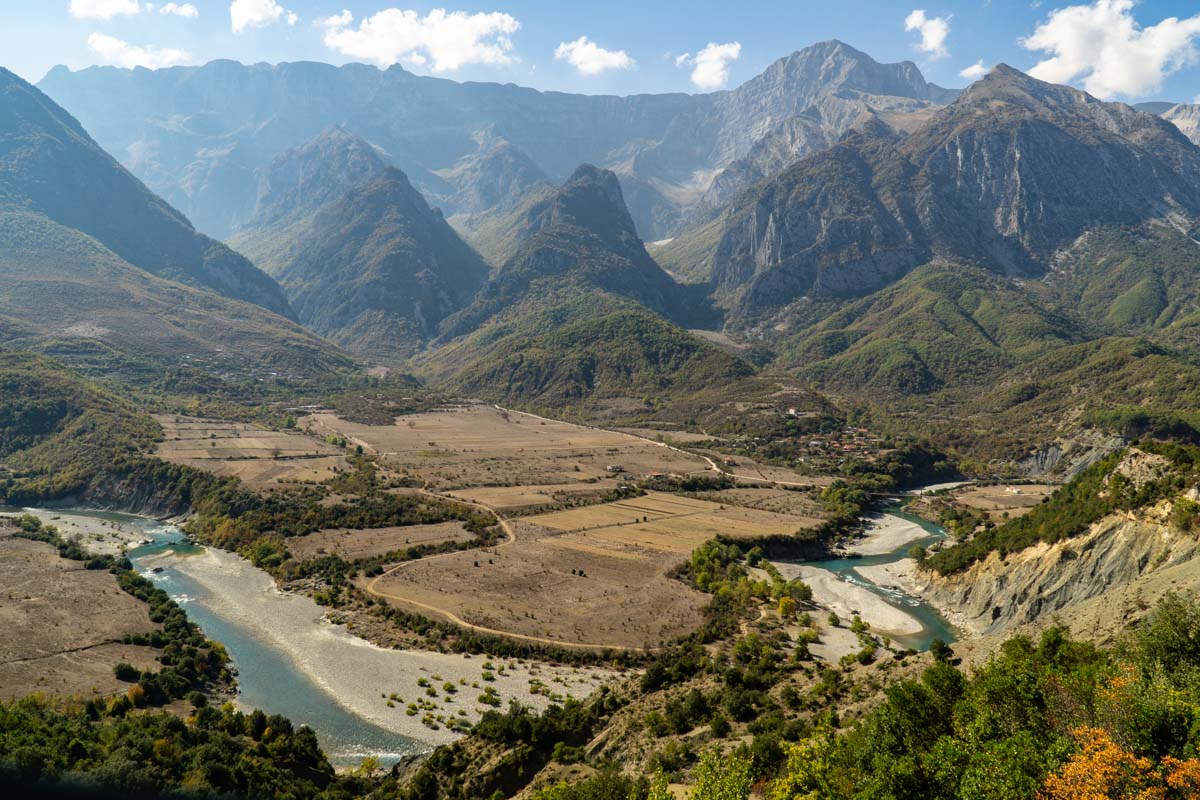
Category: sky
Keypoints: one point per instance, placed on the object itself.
(1126, 50)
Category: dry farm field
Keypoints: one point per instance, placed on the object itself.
(593, 576)
(1000, 500)
(521, 499)
(466, 447)
(668, 522)
(261, 458)
(578, 572)
(63, 624)
(352, 545)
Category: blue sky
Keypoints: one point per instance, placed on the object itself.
(1121, 49)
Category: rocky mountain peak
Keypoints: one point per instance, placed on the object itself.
(318, 171)
(590, 199)
(834, 67)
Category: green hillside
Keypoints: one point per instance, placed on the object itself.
(576, 350)
(66, 294)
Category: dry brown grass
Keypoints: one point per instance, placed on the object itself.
(62, 624)
(619, 595)
(1014, 500)
(513, 499)
(262, 459)
(355, 544)
(799, 503)
(479, 446)
(595, 575)
(670, 522)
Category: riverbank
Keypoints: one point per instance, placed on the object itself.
(381, 686)
(902, 576)
(847, 599)
(99, 532)
(886, 533)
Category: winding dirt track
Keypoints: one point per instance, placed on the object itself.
(457, 620)
(372, 587)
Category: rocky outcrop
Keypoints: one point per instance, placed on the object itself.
(1005, 177)
(998, 594)
(1186, 117)
(1066, 458)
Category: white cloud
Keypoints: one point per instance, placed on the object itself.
(710, 66)
(975, 71)
(934, 32)
(1105, 48)
(179, 9)
(342, 20)
(590, 58)
(246, 14)
(446, 40)
(122, 54)
(103, 9)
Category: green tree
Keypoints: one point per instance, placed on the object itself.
(722, 777)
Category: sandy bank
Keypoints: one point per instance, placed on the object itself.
(848, 599)
(933, 488)
(355, 672)
(887, 533)
(99, 536)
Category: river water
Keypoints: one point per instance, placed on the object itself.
(933, 624)
(267, 678)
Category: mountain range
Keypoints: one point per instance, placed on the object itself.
(98, 269)
(360, 254)
(199, 135)
(872, 234)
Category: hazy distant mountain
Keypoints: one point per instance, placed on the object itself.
(94, 266)
(496, 175)
(198, 134)
(302, 180)
(363, 258)
(1186, 117)
(580, 313)
(49, 165)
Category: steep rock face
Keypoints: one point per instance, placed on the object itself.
(50, 166)
(198, 135)
(835, 89)
(1003, 177)
(1186, 117)
(996, 595)
(780, 147)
